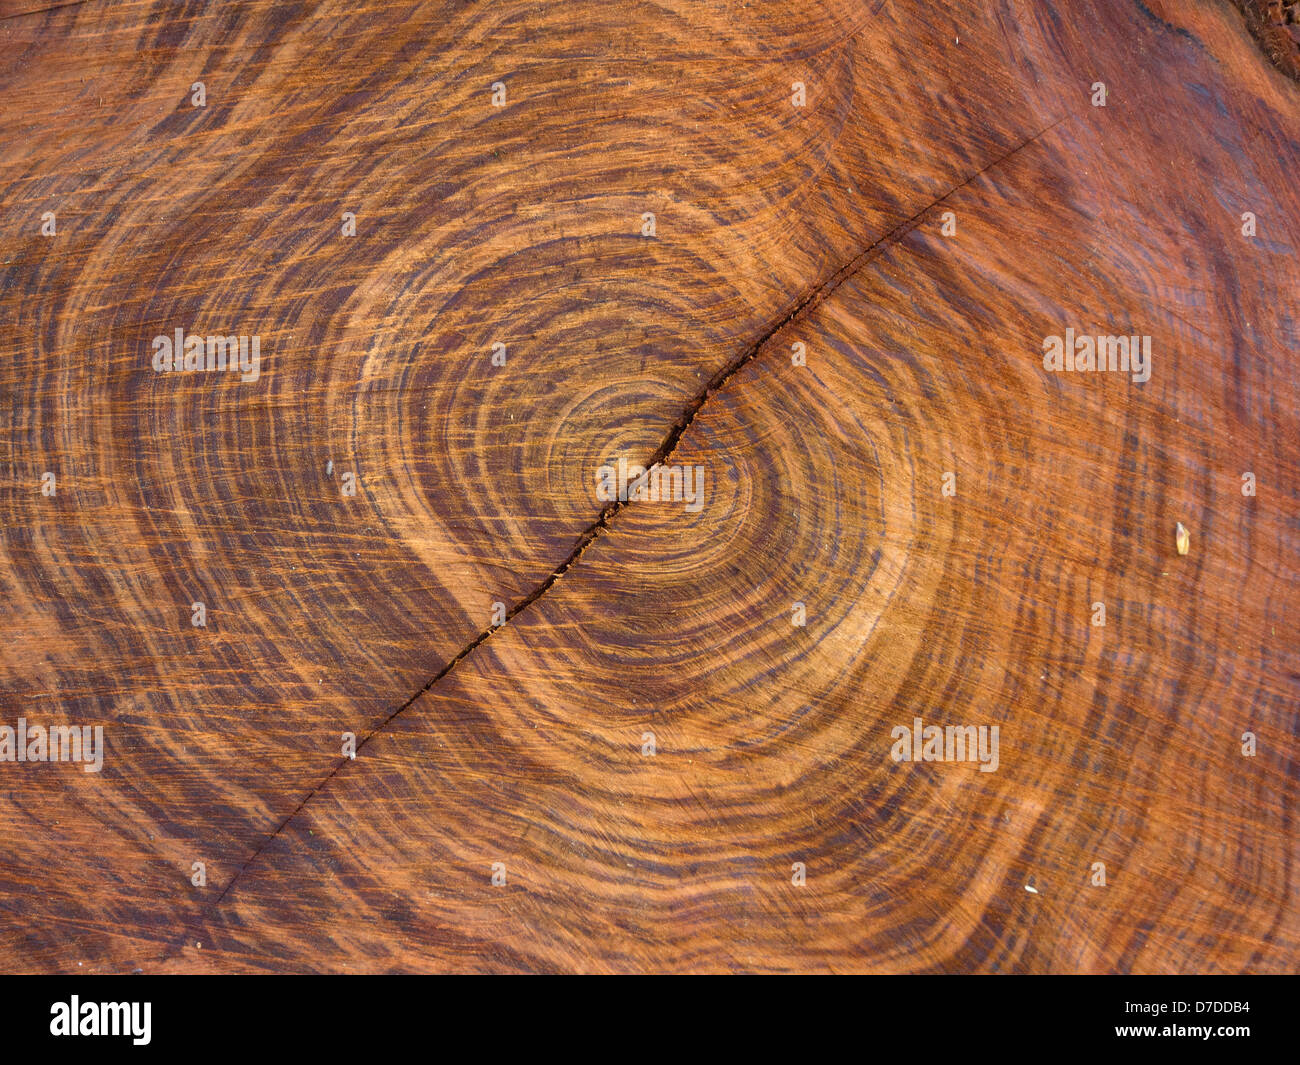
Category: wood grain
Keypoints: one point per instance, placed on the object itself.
(775, 225)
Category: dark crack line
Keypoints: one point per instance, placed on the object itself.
(805, 306)
(42, 10)
(814, 299)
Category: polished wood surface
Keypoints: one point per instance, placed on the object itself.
(678, 752)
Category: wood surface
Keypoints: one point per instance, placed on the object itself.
(775, 225)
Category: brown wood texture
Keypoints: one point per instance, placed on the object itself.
(947, 195)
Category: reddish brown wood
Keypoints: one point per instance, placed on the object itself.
(821, 225)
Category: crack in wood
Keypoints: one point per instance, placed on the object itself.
(802, 308)
(41, 10)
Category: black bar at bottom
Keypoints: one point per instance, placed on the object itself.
(1212, 1015)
